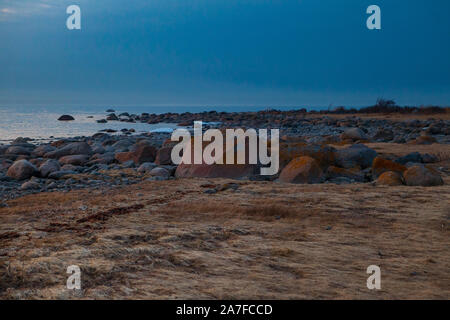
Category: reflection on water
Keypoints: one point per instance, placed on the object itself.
(42, 124)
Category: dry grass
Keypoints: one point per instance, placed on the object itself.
(388, 116)
(170, 240)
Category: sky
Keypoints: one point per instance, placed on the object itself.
(224, 52)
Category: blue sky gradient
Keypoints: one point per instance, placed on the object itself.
(224, 52)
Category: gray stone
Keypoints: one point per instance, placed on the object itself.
(354, 134)
(146, 167)
(160, 172)
(48, 167)
(60, 174)
(74, 148)
(355, 155)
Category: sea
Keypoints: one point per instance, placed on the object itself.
(40, 123)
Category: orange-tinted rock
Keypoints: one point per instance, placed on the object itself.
(302, 170)
(390, 178)
(187, 169)
(143, 153)
(324, 155)
(231, 171)
(381, 165)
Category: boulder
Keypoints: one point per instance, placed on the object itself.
(48, 167)
(22, 170)
(163, 156)
(324, 154)
(146, 167)
(105, 158)
(144, 153)
(302, 170)
(3, 149)
(17, 150)
(30, 185)
(160, 172)
(76, 160)
(411, 157)
(355, 155)
(231, 171)
(420, 175)
(354, 134)
(381, 165)
(97, 148)
(74, 148)
(429, 158)
(66, 117)
(188, 169)
(122, 145)
(41, 150)
(390, 178)
(112, 117)
(355, 174)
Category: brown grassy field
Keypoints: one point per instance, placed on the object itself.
(170, 240)
(394, 116)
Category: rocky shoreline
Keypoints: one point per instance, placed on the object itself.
(314, 148)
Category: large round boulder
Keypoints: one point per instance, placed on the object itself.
(390, 178)
(302, 170)
(422, 176)
(189, 169)
(22, 170)
(355, 155)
